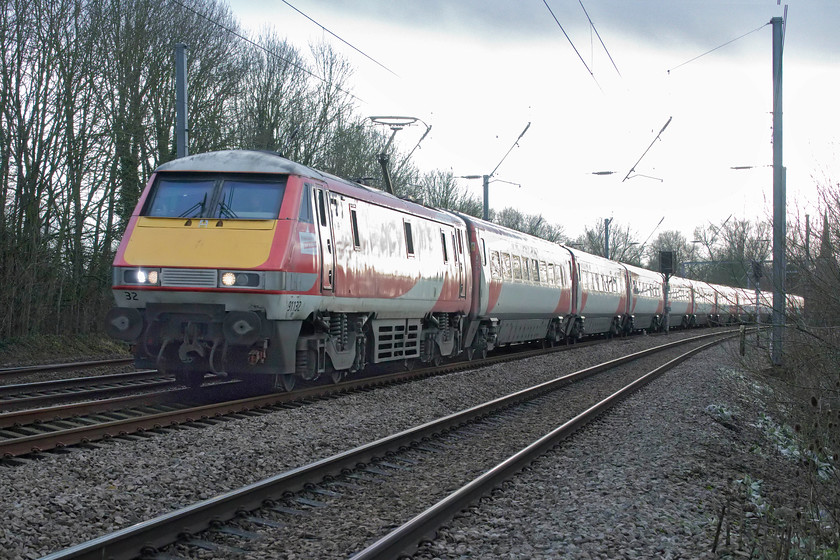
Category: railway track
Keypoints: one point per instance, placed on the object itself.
(299, 501)
(36, 430)
(44, 393)
(7, 372)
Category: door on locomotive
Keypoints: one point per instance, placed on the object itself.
(325, 237)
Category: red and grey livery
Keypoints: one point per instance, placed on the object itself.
(247, 263)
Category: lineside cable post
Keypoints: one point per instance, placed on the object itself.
(779, 195)
(181, 126)
(666, 267)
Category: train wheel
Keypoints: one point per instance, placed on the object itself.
(470, 352)
(483, 353)
(287, 380)
(338, 375)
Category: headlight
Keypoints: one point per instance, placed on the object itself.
(141, 276)
(240, 279)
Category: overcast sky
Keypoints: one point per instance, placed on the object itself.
(478, 71)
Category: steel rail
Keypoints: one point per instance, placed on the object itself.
(41, 386)
(62, 412)
(82, 394)
(69, 365)
(45, 438)
(49, 439)
(167, 528)
(404, 539)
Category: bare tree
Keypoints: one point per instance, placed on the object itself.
(532, 224)
(269, 111)
(624, 246)
(674, 241)
(723, 254)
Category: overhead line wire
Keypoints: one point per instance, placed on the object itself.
(572, 44)
(272, 53)
(720, 46)
(599, 37)
(342, 40)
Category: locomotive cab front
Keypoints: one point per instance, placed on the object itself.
(219, 249)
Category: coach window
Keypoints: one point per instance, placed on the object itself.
(443, 245)
(495, 265)
(535, 270)
(409, 240)
(506, 266)
(305, 214)
(354, 226)
(454, 249)
(526, 270)
(322, 211)
(517, 268)
(549, 276)
(543, 272)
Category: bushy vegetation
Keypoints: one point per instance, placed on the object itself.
(803, 521)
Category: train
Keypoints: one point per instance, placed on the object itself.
(247, 264)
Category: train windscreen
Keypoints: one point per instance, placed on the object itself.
(227, 198)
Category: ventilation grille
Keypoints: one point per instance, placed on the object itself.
(396, 339)
(188, 277)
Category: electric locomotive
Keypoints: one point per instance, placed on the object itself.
(246, 263)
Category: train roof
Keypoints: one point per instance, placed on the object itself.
(256, 161)
(641, 271)
(243, 161)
